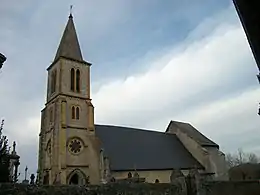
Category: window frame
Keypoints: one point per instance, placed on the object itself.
(78, 74)
(72, 79)
(73, 112)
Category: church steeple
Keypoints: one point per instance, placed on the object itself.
(69, 45)
(69, 111)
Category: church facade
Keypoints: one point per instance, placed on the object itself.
(75, 150)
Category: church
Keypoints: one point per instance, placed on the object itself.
(75, 150)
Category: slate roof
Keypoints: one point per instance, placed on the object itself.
(69, 45)
(194, 133)
(130, 148)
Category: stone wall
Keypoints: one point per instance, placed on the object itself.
(111, 189)
(208, 188)
(231, 188)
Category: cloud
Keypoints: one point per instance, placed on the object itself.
(201, 81)
(232, 122)
(178, 80)
(202, 77)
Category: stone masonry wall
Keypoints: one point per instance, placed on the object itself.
(111, 189)
(231, 188)
(208, 188)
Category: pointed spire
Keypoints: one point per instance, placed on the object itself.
(69, 45)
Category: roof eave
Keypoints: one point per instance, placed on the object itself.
(63, 57)
(210, 145)
(157, 169)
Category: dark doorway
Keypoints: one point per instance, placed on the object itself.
(74, 180)
(46, 179)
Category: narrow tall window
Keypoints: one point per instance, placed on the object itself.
(51, 115)
(77, 113)
(129, 175)
(53, 81)
(73, 112)
(78, 81)
(72, 79)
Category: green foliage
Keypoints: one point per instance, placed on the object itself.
(4, 157)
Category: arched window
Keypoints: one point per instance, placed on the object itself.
(74, 180)
(54, 78)
(129, 175)
(113, 180)
(53, 81)
(77, 177)
(46, 178)
(77, 113)
(49, 148)
(72, 79)
(78, 81)
(51, 115)
(73, 112)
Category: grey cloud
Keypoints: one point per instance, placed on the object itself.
(196, 91)
(110, 35)
(232, 122)
(104, 28)
(215, 82)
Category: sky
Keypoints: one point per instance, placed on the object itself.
(153, 61)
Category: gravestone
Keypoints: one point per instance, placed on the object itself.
(32, 179)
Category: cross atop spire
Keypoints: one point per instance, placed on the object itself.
(69, 45)
(14, 146)
(71, 10)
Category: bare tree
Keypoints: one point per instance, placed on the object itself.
(240, 158)
(230, 160)
(253, 158)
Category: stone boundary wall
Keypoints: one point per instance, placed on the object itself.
(207, 188)
(230, 188)
(109, 189)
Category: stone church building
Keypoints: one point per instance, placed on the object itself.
(75, 150)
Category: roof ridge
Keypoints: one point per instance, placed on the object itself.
(133, 128)
(201, 139)
(180, 122)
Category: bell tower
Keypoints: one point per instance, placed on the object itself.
(68, 147)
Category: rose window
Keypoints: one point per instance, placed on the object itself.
(75, 146)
